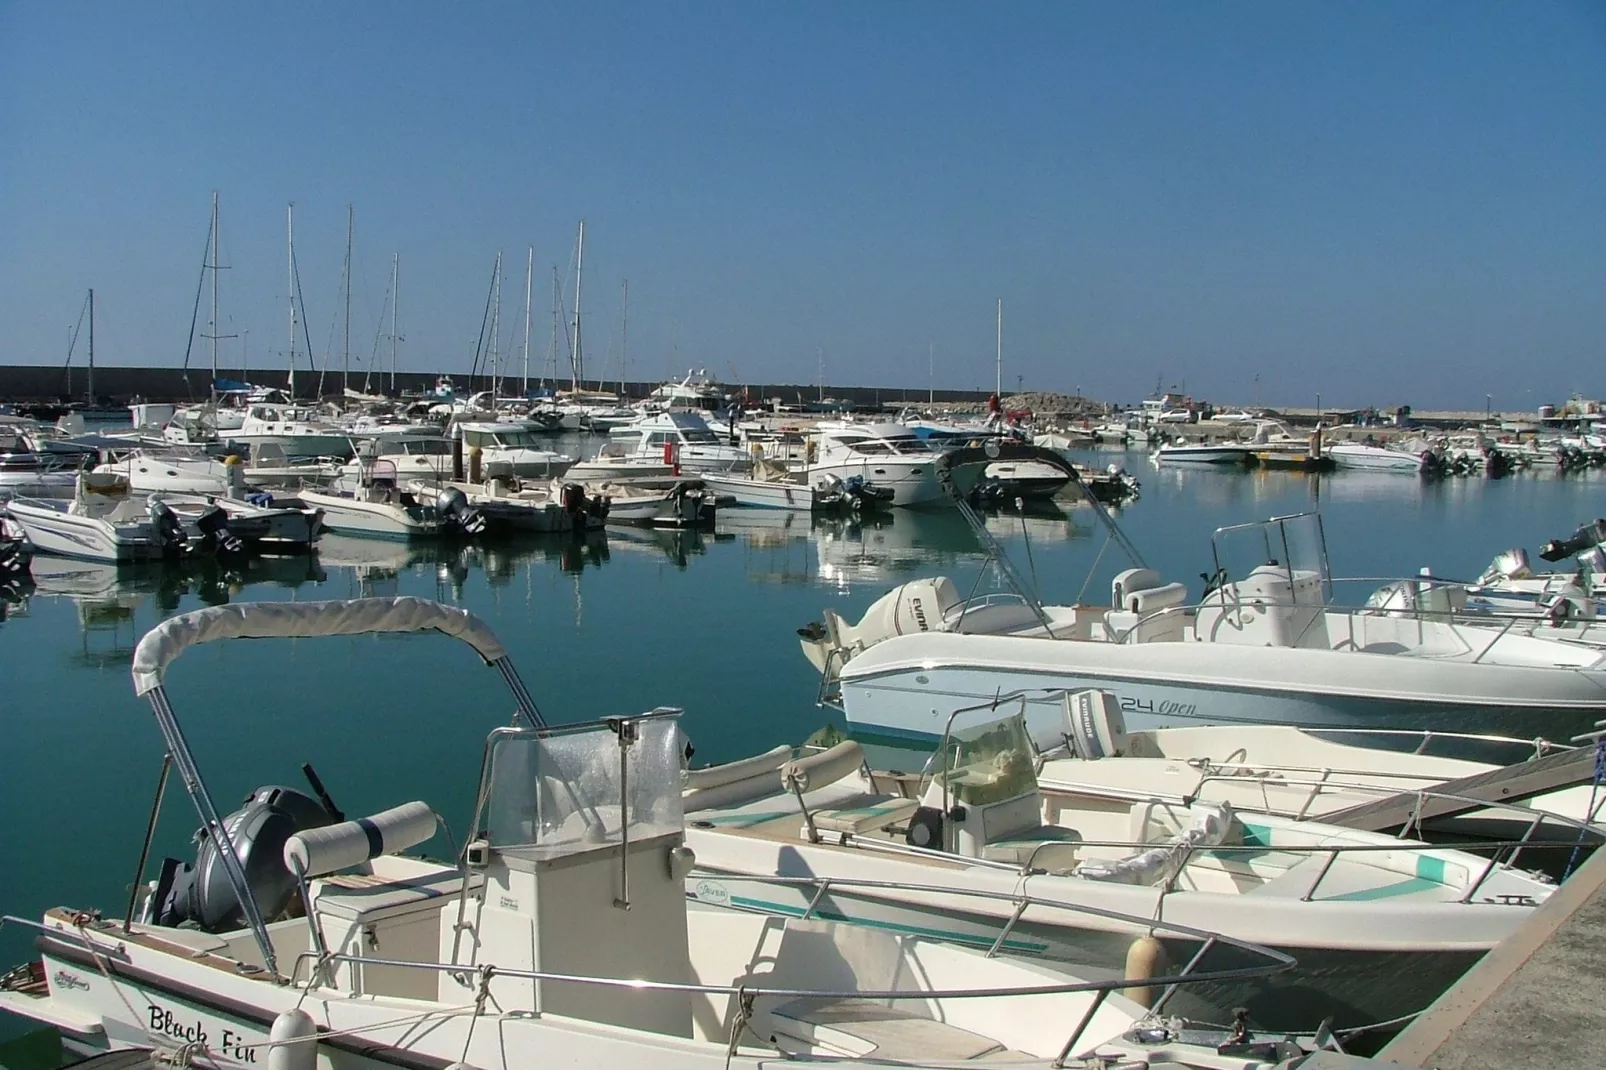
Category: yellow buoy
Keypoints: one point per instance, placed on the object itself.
(1145, 958)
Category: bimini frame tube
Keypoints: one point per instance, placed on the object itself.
(259, 620)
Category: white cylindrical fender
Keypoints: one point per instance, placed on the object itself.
(1145, 957)
(293, 1042)
(318, 851)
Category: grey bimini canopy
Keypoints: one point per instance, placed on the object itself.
(268, 620)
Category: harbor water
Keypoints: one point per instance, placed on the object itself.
(621, 621)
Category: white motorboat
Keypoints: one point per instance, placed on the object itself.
(772, 486)
(101, 522)
(513, 448)
(374, 505)
(24, 473)
(682, 440)
(297, 430)
(1300, 773)
(1267, 648)
(152, 472)
(1378, 458)
(258, 523)
(889, 456)
(1379, 925)
(562, 934)
(617, 462)
(1203, 453)
(687, 503)
(416, 452)
(696, 392)
(508, 504)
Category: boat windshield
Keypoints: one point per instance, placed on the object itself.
(1294, 544)
(989, 762)
(552, 794)
(699, 436)
(507, 440)
(407, 447)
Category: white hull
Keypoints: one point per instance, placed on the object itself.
(333, 444)
(53, 531)
(1374, 458)
(904, 686)
(763, 494)
(911, 484)
(376, 520)
(1209, 455)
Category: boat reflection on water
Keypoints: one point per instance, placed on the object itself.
(375, 566)
(679, 545)
(872, 548)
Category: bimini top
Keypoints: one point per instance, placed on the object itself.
(162, 645)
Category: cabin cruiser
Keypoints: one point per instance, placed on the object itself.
(1203, 453)
(1380, 458)
(561, 932)
(416, 452)
(680, 439)
(1379, 925)
(163, 471)
(890, 456)
(1265, 648)
(298, 430)
(696, 392)
(512, 445)
(618, 462)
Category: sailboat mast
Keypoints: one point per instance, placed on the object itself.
(91, 393)
(552, 356)
(529, 281)
(624, 332)
(345, 273)
(395, 292)
(496, 328)
(215, 329)
(290, 267)
(577, 369)
(931, 373)
(998, 365)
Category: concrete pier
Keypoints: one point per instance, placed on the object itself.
(1539, 999)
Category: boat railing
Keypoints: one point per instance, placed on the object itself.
(312, 966)
(1331, 852)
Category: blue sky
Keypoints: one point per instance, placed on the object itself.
(1385, 203)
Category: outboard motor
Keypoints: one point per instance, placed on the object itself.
(169, 529)
(213, 524)
(453, 505)
(1510, 564)
(1591, 534)
(200, 894)
(573, 499)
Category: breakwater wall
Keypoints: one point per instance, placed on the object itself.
(119, 386)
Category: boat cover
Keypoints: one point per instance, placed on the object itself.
(265, 620)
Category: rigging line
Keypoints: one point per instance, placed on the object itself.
(306, 333)
(479, 347)
(379, 333)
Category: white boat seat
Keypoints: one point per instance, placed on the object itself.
(863, 1028)
(1155, 599)
(365, 899)
(872, 813)
(1130, 582)
(1030, 847)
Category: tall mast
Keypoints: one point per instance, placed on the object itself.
(529, 281)
(624, 332)
(91, 394)
(290, 262)
(214, 297)
(496, 327)
(395, 287)
(998, 366)
(345, 275)
(552, 357)
(931, 373)
(577, 369)
(819, 353)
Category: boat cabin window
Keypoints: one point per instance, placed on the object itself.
(989, 762)
(510, 440)
(699, 436)
(407, 447)
(561, 793)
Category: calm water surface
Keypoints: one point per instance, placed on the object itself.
(619, 623)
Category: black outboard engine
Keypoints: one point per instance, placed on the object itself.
(200, 895)
(13, 558)
(213, 524)
(1591, 534)
(453, 505)
(169, 528)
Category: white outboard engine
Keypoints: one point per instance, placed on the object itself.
(916, 606)
(1512, 564)
(453, 505)
(1094, 726)
(200, 894)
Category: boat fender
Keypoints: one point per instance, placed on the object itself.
(682, 860)
(293, 1041)
(314, 852)
(1145, 958)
